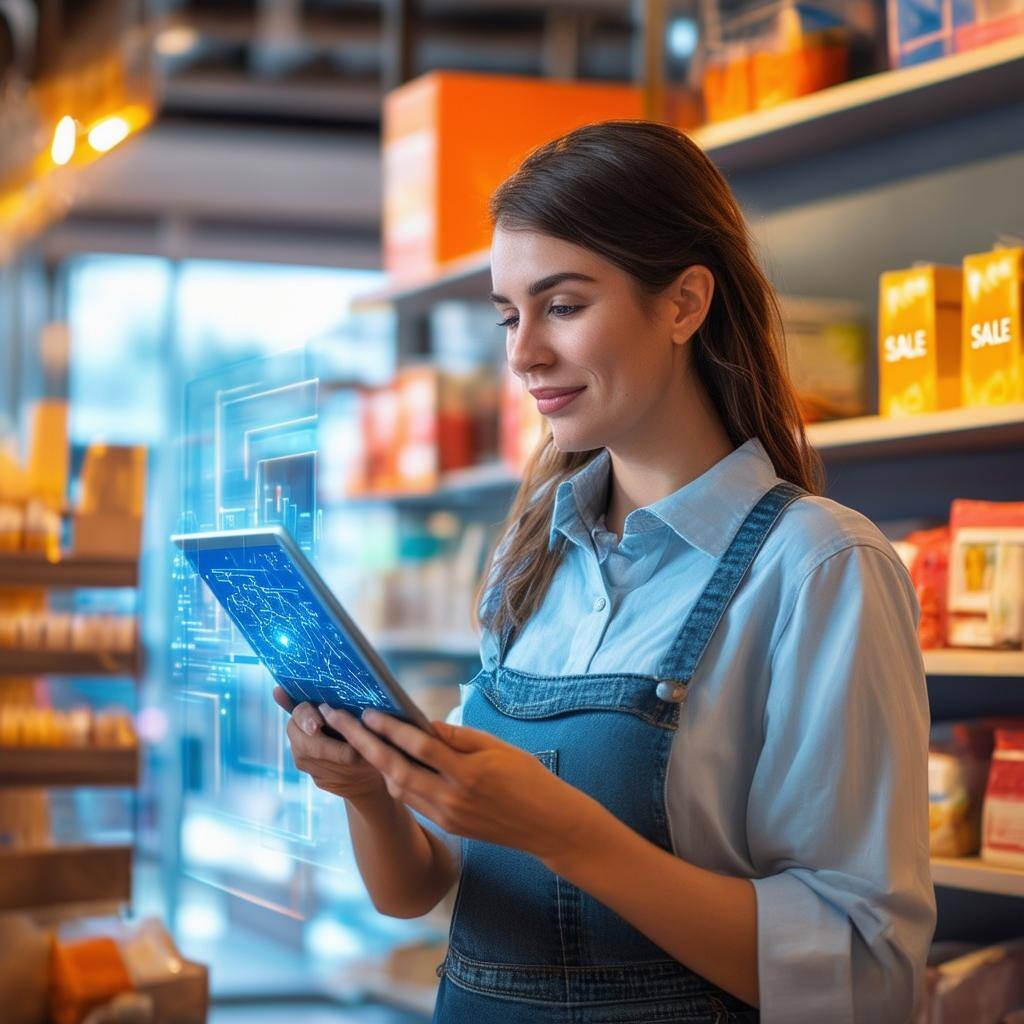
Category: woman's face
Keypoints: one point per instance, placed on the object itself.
(573, 321)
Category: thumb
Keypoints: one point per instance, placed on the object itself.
(462, 737)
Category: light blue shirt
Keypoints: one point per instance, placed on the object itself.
(801, 758)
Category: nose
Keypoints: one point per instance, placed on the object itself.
(526, 349)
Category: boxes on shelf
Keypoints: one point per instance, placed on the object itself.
(993, 327)
(108, 520)
(923, 30)
(826, 348)
(919, 340)
(1003, 815)
(926, 556)
(426, 422)
(442, 159)
(522, 425)
(958, 764)
(986, 574)
(776, 52)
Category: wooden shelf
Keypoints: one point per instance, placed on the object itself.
(977, 875)
(33, 570)
(67, 874)
(848, 114)
(68, 766)
(939, 432)
(963, 662)
(69, 663)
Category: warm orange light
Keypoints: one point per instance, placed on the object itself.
(106, 134)
(62, 149)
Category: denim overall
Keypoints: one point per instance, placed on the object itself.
(525, 946)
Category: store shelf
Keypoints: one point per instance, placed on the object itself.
(460, 645)
(951, 662)
(33, 570)
(869, 108)
(70, 874)
(852, 113)
(952, 429)
(68, 766)
(976, 875)
(69, 663)
(471, 483)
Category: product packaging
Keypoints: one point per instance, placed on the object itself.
(993, 328)
(958, 763)
(772, 54)
(926, 556)
(919, 340)
(826, 349)
(986, 574)
(984, 985)
(1003, 813)
(450, 138)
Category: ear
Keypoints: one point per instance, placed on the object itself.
(690, 295)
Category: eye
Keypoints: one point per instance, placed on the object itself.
(508, 321)
(565, 310)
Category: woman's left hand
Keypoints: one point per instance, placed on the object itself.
(484, 788)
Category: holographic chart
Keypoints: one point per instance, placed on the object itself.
(287, 626)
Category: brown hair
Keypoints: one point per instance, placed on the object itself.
(643, 196)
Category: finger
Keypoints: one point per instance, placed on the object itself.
(321, 748)
(413, 741)
(391, 763)
(463, 738)
(308, 717)
(282, 700)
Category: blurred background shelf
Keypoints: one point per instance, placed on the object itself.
(870, 108)
(68, 766)
(465, 645)
(32, 570)
(69, 874)
(69, 663)
(975, 875)
(952, 662)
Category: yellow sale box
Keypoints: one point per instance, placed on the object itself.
(993, 350)
(919, 340)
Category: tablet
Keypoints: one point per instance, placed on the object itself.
(293, 623)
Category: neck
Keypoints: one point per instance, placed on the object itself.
(680, 443)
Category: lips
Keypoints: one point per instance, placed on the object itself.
(552, 392)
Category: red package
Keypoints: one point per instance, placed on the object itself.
(929, 572)
(1003, 812)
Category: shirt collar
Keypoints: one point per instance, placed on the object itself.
(706, 512)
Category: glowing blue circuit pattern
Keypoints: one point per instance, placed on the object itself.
(288, 627)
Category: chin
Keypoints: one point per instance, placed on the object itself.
(574, 441)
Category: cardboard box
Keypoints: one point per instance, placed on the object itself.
(450, 138)
(993, 328)
(919, 340)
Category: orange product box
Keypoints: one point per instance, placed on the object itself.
(993, 328)
(85, 974)
(919, 340)
(450, 138)
(522, 425)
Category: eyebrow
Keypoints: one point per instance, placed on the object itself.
(545, 283)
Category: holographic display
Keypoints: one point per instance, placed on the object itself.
(287, 626)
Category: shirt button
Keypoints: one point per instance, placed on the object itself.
(599, 604)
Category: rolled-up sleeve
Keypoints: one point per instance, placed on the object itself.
(837, 819)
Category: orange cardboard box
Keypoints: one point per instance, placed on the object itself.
(450, 138)
(993, 328)
(919, 340)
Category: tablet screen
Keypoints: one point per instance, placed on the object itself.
(287, 625)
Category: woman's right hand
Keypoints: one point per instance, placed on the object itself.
(334, 765)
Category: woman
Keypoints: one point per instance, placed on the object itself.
(690, 780)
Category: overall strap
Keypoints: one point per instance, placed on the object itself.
(693, 638)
